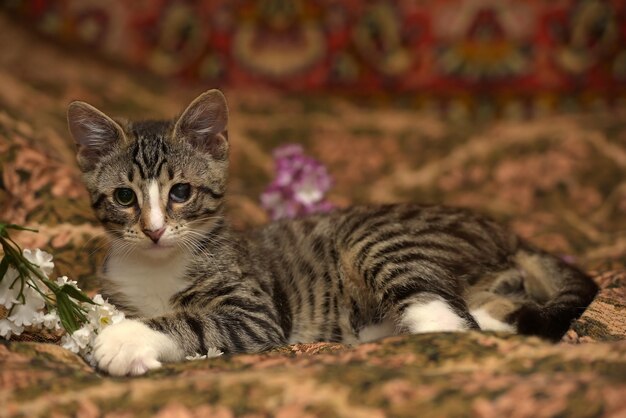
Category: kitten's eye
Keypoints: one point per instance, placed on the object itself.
(180, 192)
(124, 196)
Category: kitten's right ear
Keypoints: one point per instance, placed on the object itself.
(203, 124)
(95, 133)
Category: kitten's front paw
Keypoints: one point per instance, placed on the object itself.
(131, 348)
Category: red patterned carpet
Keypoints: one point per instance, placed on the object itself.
(459, 56)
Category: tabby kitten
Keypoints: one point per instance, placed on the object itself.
(191, 283)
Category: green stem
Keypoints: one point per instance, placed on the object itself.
(72, 314)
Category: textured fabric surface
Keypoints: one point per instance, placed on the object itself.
(431, 375)
(558, 181)
(507, 56)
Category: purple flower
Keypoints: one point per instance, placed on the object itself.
(284, 152)
(299, 185)
(568, 258)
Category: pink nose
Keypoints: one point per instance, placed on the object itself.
(154, 235)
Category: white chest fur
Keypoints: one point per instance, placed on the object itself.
(148, 283)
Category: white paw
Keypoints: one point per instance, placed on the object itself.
(489, 323)
(133, 348)
(433, 316)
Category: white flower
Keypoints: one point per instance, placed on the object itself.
(41, 259)
(63, 280)
(68, 343)
(79, 340)
(26, 314)
(31, 312)
(37, 319)
(307, 191)
(8, 296)
(211, 352)
(8, 328)
(51, 320)
(82, 336)
(100, 315)
(103, 313)
(196, 356)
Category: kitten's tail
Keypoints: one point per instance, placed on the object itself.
(561, 293)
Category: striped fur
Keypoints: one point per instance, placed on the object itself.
(320, 278)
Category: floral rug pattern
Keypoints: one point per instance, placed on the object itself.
(463, 56)
(559, 181)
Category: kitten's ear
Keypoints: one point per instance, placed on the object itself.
(94, 132)
(203, 124)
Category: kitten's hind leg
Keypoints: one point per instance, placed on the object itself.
(492, 311)
(430, 312)
(495, 298)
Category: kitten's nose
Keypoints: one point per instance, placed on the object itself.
(154, 235)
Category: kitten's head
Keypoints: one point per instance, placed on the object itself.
(155, 185)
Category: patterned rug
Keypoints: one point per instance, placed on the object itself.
(458, 56)
(559, 181)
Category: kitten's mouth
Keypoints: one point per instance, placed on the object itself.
(156, 246)
(157, 251)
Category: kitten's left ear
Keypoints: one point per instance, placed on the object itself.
(203, 124)
(95, 133)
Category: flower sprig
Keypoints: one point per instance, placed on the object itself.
(25, 288)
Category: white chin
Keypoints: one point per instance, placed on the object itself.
(158, 250)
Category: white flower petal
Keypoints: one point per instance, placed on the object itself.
(196, 356)
(307, 192)
(23, 315)
(38, 318)
(213, 352)
(68, 343)
(83, 336)
(52, 321)
(63, 280)
(8, 328)
(8, 296)
(41, 259)
(103, 314)
(28, 312)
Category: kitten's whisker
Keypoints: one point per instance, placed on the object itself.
(215, 239)
(93, 238)
(103, 244)
(196, 248)
(122, 249)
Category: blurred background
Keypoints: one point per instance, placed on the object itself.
(516, 109)
(461, 57)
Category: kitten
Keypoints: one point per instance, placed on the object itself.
(191, 283)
